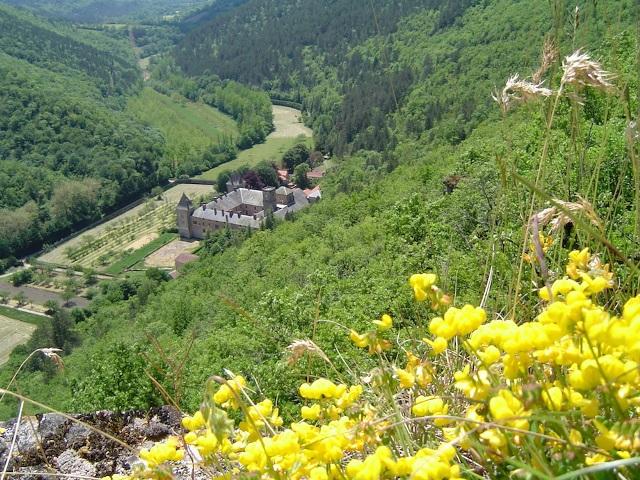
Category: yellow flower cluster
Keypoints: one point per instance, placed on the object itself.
(425, 288)
(167, 451)
(373, 340)
(565, 386)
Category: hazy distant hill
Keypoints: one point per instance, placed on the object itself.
(109, 10)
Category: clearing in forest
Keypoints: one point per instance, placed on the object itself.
(12, 334)
(188, 127)
(289, 130)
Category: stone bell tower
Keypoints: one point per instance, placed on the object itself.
(269, 199)
(184, 211)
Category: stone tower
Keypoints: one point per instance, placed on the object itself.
(184, 211)
(269, 199)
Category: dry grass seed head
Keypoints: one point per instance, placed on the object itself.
(300, 347)
(563, 213)
(517, 90)
(548, 57)
(580, 69)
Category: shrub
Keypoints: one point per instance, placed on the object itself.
(555, 394)
(22, 277)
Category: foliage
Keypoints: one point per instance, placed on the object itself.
(295, 156)
(300, 175)
(475, 395)
(41, 44)
(459, 200)
(251, 108)
(62, 131)
(99, 11)
(22, 277)
(197, 136)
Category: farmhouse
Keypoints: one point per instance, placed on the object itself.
(240, 208)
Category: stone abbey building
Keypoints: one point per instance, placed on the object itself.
(240, 208)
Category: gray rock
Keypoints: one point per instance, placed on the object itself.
(77, 435)
(51, 426)
(27, 439)
(69, 462)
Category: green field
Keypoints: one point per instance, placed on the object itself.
(271, 150)
(138, 255)
(188, 127)
(21, 316)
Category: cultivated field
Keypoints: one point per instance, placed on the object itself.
(289, 130)
(131, 232)
(12, 334)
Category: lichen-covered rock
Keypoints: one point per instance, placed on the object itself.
(53, 441)
(69, 462)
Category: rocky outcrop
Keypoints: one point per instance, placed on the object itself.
(51, 443)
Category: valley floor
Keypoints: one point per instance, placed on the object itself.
(289, 130)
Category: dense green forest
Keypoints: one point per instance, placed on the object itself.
(413, 103)
(66, 131)
(63, 132)
(353, 63)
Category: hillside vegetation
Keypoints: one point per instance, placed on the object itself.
(63, 131)
(100, 11)
(79, 152)
(493, 241)
(189, 128)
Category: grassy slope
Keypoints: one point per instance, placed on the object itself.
(271, 150)
(194, 126)
(21, 316)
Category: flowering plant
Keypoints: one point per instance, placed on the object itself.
(543, 397)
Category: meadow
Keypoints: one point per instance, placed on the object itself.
(188, 127)
(288, 130)
(16, 328)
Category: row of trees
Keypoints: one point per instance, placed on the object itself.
(298, 160)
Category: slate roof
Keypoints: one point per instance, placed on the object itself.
(283, 190)
(184, 201)
(300, 202)
(219, 209)
(238, 197)
(218, 215)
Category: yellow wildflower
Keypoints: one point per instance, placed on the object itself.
(385, 323)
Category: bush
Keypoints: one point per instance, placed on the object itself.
(22, 277)
(473, 394)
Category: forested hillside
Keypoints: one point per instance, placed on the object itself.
(100, 11)
(353, 63)
(63, 132)
(443, 193)
(82, 138)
